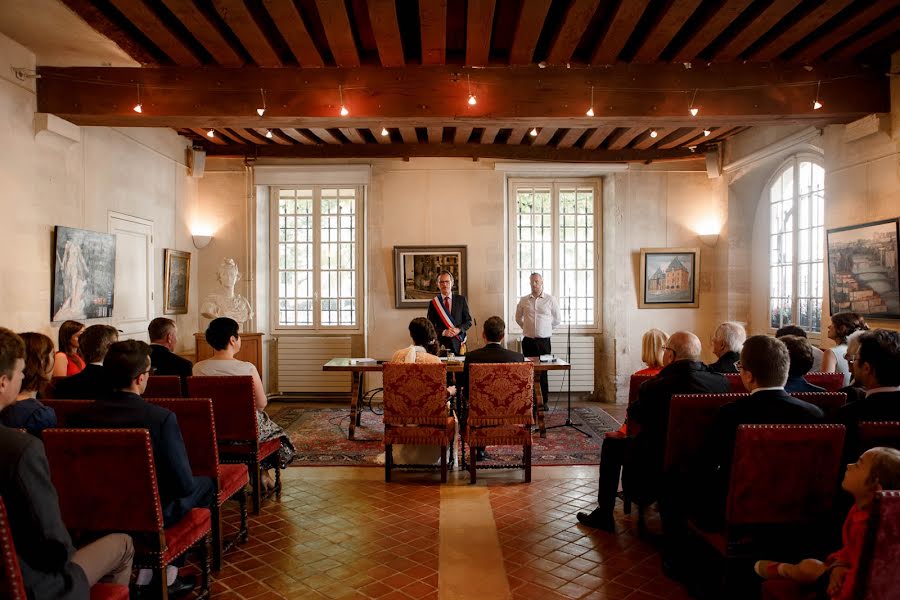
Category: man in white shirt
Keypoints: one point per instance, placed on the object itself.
(537, 314)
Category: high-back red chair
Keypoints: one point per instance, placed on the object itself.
(499, 411)
(64, 409)
(829, 402)
(235, 410)
(634, 386)
(106, 482)
(877, 433)
(832, 382)
(48, 391)
(690, 418)
(415, 410)
(735, 384)
(198, 428)
(163, 386)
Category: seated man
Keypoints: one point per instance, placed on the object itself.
(51, 566)
(163, 341)
(642, 457)
(726, 344)
(128, 366)
(493, 332)
(92, 382)
(801, 356)
(800, 332)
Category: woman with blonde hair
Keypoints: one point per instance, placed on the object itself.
(653, 346)
(28, 412)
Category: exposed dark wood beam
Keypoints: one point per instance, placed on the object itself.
(625, 138)
(754, 30)
(571, 136)
(409, 135)
(666, 28)
(800, 30)
(435, 135)
(228, 136)
(718, 133)
(296, 135)
(383, 16)
(462, 135)
(97, 19)
(156, 31)
(205, 31)
(516, 135)
(876, 35)
(325, 135)
(433, 20)
(597, 136)
(427, 97)
(545, 134)
(577, 18)
(258, 136)
(336, 22)
(674, 141)
(292, 28)
(209, 140)
(830, 40)
(381, 139)
(620, 29)
(498, 151)
(479, 25)
(488, 135)
(720, 20)
(528, 30)
(647, 140)
(241, 22)
(353, 135)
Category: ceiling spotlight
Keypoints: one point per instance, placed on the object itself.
(137, 107)
(533, 132)
(590, 111)
(344, 111)
(269, 133)
(694, 111)
(384, 132)
(653, 133)
(816, 104)
(472, 101)
(210, 133)
(262, 109)
(706, 132)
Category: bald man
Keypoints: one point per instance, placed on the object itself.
(642, 457)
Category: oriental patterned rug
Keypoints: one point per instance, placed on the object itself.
(320, 436)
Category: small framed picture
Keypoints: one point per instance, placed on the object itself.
(416, 270)
(670, 278)
(862, 269)
(177, 284)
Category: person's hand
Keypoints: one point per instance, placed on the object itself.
(836, 581)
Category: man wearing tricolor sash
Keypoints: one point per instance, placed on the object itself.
(449, 313)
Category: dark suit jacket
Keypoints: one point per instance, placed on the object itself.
(42, 542)
(459, 312)
(725, 364)
(167, 362)
(124, 410)
(490, 353)
(883, 406)
(90, 384)
(797, 384)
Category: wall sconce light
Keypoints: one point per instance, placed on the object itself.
(709, 239)
(202, 241)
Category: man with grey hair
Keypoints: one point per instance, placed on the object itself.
(642, 457)
(727, 341)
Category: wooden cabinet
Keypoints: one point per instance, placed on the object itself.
(251, 350)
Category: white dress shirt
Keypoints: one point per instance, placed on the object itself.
(537, 315)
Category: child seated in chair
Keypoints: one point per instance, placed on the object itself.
(877, 469)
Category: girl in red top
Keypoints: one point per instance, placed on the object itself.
(67, 361)
(876, 469)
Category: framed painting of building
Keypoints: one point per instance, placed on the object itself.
(416, 270)
(177, 282)
(84, 274)
(862, 269)
(670, 278)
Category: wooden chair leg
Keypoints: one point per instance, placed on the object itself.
(443, 464)
(256, 486)
(527, 453)
(162, 587)
(204, 568)
(217, 544)
(244, 533)
(388, 459)
(473, 454)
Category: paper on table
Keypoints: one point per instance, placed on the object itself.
(548, 358)
(359, 361)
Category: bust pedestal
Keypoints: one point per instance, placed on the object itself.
(251, 350)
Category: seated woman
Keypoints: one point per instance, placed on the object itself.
(222, 334)
(842, 325)
(653, 345)
(68, 361)
(28, 412)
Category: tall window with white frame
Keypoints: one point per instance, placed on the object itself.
(317, 279)
(553, 231)
(797, 245)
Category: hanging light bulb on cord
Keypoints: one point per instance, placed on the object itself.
(472, 101)
(138, 108)
(654, 133)
(816, 104)
(533, 132)
(590, 111)
(693, 109)
(211, 133)
(384, 132)
(706, 132)
(344, 111)
(269, 133)
(262, 109)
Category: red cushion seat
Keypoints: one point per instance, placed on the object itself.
(108, 591)
(265, 450)
(185, 533)
(231, 479)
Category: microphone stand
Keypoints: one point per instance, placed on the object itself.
(569, 422)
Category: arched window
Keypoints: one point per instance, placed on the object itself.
(797, 245)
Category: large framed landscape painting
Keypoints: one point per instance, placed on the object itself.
(670, 278)
(416, 270)
(177, 282)
(84, 274)
(862, 269)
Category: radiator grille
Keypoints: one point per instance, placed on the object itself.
(300, 360)
(582, 361)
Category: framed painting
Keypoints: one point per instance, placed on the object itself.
(177, 284)
(416, 270)
(670, 278)
(862, 269)
(84, 274)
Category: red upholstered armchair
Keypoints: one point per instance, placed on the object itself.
(690, 418)
(235, 410)
(106, 481)
(64, 409)
(735, 383)
(198, 428)
(832, 382)
(500, 409)
(415, 410)
(878, 433)
(163, 386)
(829, 402)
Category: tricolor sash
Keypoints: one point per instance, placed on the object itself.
(445, 318)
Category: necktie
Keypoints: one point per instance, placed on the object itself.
(447, 304)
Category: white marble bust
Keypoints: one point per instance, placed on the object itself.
(226, 303)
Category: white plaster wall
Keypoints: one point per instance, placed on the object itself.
(47, 182)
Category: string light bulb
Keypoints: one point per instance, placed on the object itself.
(590, 111)
(211, 133)
(693, 109)
(262, 109)
(269, 133)
(706, 132)
(472, 101)
(344, 111)
(384, 132)
(816, 104)
(138, 108)
(533, 132)
(653, 133)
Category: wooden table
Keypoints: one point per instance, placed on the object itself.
(357, 390)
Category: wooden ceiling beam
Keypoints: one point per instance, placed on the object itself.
(647, 141)
(427, 97)
(242, 23)
(620, 29)
(576, 21)
(754, 30)
(723, 17)
(488, 135)
(205, 31)
(258, 136)
(353, 135)
(383, 16)
(832, 39)
(209, 140)
(570, 137)
(292, 28)
(433, 20)
(680, 140)
(664, 30)
(409, 135)
(296, 135)
(528, 31)
(799, 30)
(462, 134)
(625, 138)
(325, 135)
(156, 31)
(479, 26)
(597, 136)
(545, 134)
(381, 139)
(855, 47)
(100, 21)
(516, 135)
(336, 22)
(435, 135)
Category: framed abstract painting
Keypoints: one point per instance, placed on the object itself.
(670, 278)
(84, 274)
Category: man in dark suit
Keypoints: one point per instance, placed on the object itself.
(92, 382)
(128, 366)
(163, 341)
(452, 329)
(726, 345)
(51, 566)
(800, 351)
(493, 332)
